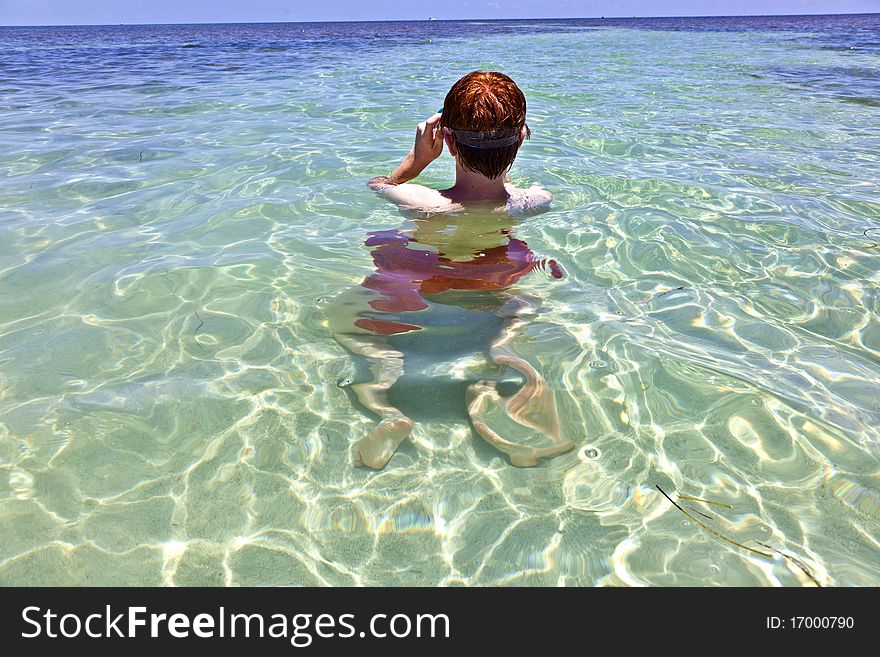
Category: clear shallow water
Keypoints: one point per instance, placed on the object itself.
(180, 205)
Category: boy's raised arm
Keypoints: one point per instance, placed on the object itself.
(427, 148)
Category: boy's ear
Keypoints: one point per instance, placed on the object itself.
(450, 142)
(522, 135)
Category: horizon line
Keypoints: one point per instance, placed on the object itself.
(447, 20)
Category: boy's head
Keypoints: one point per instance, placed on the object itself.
(485, 112)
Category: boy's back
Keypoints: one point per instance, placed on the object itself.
(412, 196)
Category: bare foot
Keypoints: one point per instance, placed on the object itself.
(522, 456)
(376, 450)
(483, 393)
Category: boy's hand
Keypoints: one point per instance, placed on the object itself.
(379, 182)
(429, 141)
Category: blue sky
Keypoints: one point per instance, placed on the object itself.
(61, 12)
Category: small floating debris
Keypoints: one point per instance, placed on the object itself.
(588, 453)
(699, 512)
(657, 296)
(196, 329)
(697, 499)
(710, 530)
(874, 239)
(201, 323)
(796, 562)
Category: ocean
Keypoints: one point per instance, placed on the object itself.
(184, 210)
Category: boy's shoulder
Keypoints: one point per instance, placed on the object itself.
(535, 194)
(412, 196)
(418, 197)
(528, 199)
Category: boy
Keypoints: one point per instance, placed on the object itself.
(443, 288)
(483, 123)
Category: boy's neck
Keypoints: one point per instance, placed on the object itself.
(472, 186)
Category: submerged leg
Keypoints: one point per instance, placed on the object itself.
(386, 366)
(379, 446)
(533, 406)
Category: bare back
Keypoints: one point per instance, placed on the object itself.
(411, 196)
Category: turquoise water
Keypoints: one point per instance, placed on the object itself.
(180, 207)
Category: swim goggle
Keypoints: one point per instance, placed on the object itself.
(486, 138)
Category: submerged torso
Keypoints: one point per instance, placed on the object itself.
(441, 292)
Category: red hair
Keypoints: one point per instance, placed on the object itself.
(485, 101)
